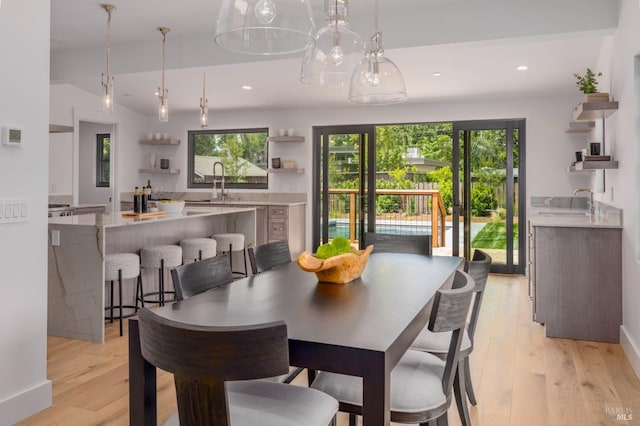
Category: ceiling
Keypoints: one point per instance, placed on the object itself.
(476, 45)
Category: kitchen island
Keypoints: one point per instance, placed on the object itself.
(78, 244)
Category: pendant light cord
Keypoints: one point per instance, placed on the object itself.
(164, 42)
(108, 44)
(377, 17)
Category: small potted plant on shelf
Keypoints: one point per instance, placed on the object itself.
(588, 85)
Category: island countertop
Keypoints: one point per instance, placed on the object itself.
(109, 220)
(572, 212)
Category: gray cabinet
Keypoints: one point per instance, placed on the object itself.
(576, 281)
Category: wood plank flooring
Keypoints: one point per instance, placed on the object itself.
(520, 377)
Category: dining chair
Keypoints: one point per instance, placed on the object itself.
(421, 383)
(194, 278)
(267, 256)
(197, 277)
(436, 343)
(214, 370)
(262, 258)
(395, 243)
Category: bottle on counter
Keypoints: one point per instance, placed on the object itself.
(149, 190)
(144, 208)
(136, 200)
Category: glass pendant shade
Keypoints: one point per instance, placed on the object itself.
(163, 107)
(204, 108)
(330, 60)
(376, 80)
(265, 27)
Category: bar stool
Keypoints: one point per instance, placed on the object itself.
(160, 257)
(121, 266)
(229, 243)
(198, 248)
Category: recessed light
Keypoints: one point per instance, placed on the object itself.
(247, 87)
(522, 68)
(437, 74)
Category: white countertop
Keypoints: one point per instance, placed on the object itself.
(547, 214)
(115, 219)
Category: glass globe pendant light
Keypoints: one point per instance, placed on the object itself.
(330, 61)
(162, 93)
(265, 27)
(376, 80)
(107, 80)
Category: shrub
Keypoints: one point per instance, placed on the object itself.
(483, 200)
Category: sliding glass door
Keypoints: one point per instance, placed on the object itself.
(488, 192)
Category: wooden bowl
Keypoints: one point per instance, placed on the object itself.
(339, 269)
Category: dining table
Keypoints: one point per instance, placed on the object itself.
(361, 328)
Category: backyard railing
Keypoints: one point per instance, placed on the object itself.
(398, 211)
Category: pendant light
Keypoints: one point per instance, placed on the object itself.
(330, 61)
(162, 93)
(107, 80)
(204, 109)
(376, 80)
(265, 27)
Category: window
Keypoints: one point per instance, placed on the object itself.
(242, 152)
(103, 158)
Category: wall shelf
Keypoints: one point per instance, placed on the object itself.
(580, 126)
(285, 170)
(160, 142)
(160, 171)
(285, 138)
(587, 111)
(592, 165)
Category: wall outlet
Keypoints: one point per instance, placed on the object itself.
(55, 237)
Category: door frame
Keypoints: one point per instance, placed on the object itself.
(509, 125)
(320, 228)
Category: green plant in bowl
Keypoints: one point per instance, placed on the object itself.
(338, 245)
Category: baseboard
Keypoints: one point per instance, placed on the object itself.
(631, 350)
(25, 404)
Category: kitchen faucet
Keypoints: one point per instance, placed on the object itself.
(221, 179)
(592, 208)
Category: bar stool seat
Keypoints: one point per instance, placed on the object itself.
(229, 243)
(160, 257)
(118, 267)
(198, 248)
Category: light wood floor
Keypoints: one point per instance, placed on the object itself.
(521, 378)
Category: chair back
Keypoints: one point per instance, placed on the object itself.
(266, 256)
(197, 277)
(202, 358)
(393, 243)
(478, 268)
(449, 313)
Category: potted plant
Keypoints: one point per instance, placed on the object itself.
(588, 85)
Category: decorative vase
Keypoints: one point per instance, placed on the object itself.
(153, 159)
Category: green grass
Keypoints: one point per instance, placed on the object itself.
(494, 236)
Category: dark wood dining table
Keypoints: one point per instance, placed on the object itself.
(361, 328)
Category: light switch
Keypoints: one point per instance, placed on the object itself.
(23, 210)
(55, 237)
(7, 211)
(16, 210)
(1, 211)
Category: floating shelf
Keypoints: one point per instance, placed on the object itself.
(160, 171)
(285, 138)
(588, 111)
(160, 142)
(285, 170)
(593, 165)
(580, 126)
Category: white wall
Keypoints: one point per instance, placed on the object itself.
(24, 101)
(87, 190)
(623, 185)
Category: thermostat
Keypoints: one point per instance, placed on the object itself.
(12, 136)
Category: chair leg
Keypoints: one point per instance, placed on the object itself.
(244, 254)
(461, 397)
(353, 420)
(161, 283)
(467, 380)
(139, 292)
(120, 297)
(230, 257)
(311, 376)
(443, 420)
